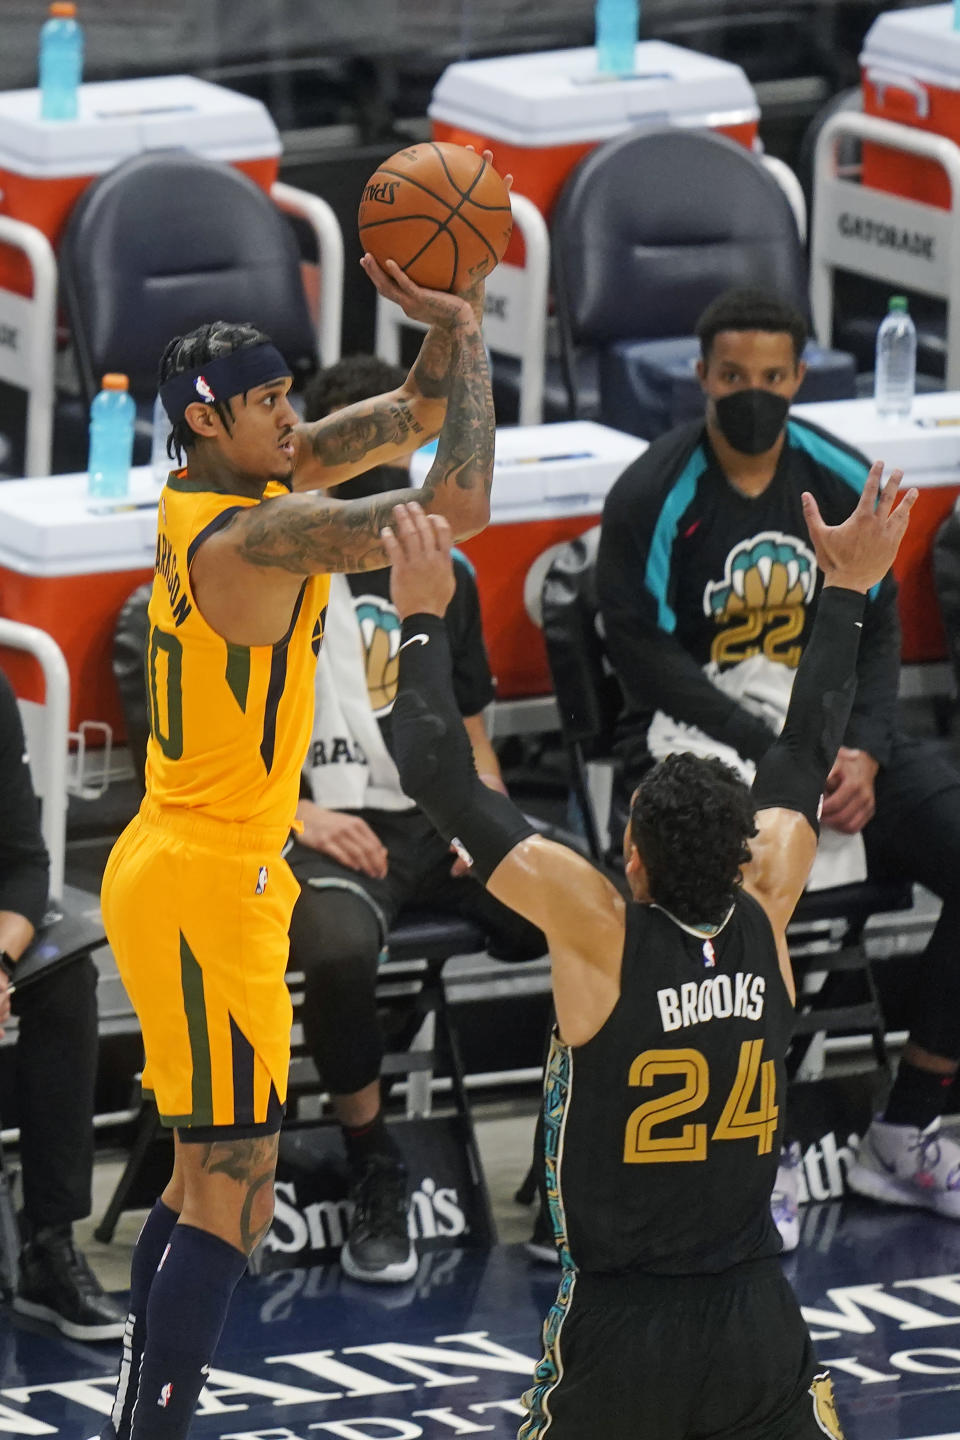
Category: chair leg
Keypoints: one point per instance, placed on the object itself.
(449, 1047)
(9, 1235)
(148, 1129)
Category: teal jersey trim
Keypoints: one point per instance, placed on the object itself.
(657, 575)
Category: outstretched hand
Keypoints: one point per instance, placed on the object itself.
(418, 551)
(858, 553)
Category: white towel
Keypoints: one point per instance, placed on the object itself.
(762, 686)
(348, 765)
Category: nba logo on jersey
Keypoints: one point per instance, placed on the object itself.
(262, 880)
(165, 1394)
(709, 955)
(203, 390)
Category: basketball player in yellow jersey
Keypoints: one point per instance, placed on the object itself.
(196, 896)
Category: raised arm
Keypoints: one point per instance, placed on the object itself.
(389, 426)
(307, 533)
(791, 776)
(580, 912)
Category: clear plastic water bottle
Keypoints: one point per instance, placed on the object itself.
(112, 417)
(896, 364)
(617, 28)
(159, 459)
(61, 62)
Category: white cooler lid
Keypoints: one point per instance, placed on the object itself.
(920, 43)
(120, 118)
(47, 526)
(545, 471)
(923, 446)
(558, 97)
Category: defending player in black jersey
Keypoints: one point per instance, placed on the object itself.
(664, 1091)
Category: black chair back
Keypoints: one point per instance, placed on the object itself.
(168, 241)
(657, 223)
(589, 697)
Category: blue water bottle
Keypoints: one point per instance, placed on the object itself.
(956, 14)
(61, 62)
(617, 28)
(112, 417)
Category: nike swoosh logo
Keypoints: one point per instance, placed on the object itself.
(859, 624)
(414, 639)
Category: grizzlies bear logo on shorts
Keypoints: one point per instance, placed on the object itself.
(825, 1406)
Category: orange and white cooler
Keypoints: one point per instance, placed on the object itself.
(540, 114)
(926, 446)
(910, 74)
(45, 165)
(549, 485)
(68, 568)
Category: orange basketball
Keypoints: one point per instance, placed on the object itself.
(440, 211)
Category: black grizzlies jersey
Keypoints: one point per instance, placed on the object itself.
(694, 578)
(663, 1131)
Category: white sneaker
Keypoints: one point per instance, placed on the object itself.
(903, 1165)
(785, 1200)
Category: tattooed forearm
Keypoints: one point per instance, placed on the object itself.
(346, 438)
(431, 373)
(465, 452)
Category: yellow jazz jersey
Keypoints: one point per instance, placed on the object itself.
(229, 724)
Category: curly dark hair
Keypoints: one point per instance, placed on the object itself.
(751, 310)
(354, 378)
(188, 352)
(690, 820)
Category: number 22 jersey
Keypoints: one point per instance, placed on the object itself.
(663, 1132)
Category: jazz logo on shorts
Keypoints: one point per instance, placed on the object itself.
(824, 1406)
(262, 880)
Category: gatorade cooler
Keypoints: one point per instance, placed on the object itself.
(910, 70)
(46, 165)
(68, 567)
(549, 485)
(540, 114)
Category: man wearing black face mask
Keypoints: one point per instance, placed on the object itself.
(366, 851)
(705, 574)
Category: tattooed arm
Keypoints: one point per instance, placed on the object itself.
(388, 427)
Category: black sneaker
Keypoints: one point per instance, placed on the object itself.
(57, 1285)
(542, 1245)
(378, 1247)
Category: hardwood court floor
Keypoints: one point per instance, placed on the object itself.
(310, 1353)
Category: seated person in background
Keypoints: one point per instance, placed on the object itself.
(708, 586)
(366, 851)
(56, 1067)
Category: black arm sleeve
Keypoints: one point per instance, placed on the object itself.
(656, 673)
(792, 774)
(434, 758)
(873, 719)
(24, 866)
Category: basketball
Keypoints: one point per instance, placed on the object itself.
(440, 211)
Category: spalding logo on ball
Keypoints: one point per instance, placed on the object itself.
(440, 211)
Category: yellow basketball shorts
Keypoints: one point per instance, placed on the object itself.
(197, 913)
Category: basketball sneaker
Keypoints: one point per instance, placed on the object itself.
(378, 1248)
(57, 1285)
(903, 1165)
(785, 1200)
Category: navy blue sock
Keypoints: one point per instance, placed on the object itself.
(188, 1304)
(147, 1254)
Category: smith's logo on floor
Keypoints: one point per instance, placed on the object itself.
(321, 1226)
